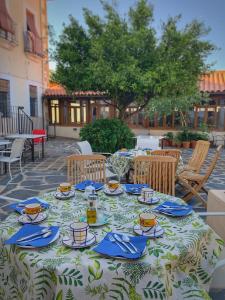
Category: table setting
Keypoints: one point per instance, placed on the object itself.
(96, 245)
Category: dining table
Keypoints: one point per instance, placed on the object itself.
(177, 265)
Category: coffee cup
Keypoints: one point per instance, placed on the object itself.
(65, 188)
(79, 231)
(147, 221)
(147, 194)
(32, 210)
(113, 184)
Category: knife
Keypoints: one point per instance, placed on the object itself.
(41, 232)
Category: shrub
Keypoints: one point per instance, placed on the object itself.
(168, 135)
(108, 135)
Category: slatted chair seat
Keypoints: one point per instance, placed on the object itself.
(157, 171)
(194, 182)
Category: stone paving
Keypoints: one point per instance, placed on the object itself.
(44, 175)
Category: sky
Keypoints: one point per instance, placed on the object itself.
(211, 12)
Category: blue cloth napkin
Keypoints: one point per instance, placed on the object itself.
(135, 188)
(82, 185)
(124, 153)
(20, 209)
(187, 209)
(144, 149)
(30, 229)
(107, 247)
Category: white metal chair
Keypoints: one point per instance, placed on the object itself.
(14, 154)
(85, 149)
(151, 142)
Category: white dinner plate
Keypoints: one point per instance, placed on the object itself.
(154, 232)
(91, 239)
(153, 200)
(25, 220)
(32, 247)
(60, 196)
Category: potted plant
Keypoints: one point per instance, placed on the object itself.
(177, 141)
(168, 137)
(194, 137)
(184, 136)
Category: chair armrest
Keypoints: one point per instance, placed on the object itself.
(211, 213)
(103, 153)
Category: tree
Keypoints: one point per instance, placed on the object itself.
(124, 58)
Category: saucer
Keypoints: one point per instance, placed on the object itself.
(115, 192)
(154, 232)
(31, 247)
(101, 220)
(25, 220)
(91, 239)
(61, 196)
(153, 200)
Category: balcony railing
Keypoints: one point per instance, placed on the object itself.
(33, 44)
(9, 36)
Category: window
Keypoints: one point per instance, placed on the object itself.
(54, 111)
(32, 39)
(4, 98)
(33, 101)
(7, 26)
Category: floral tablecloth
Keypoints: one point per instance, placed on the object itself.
(177, 266)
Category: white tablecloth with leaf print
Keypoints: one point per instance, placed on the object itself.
(177, 266)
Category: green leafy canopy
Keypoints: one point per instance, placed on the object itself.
(127, 59)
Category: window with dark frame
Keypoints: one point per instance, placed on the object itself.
(33, 101)
(4, 98)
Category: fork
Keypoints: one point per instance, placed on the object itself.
(113, 240)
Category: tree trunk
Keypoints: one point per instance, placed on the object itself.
(122, 114)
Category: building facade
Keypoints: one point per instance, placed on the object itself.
(67, 114)
(23, 56)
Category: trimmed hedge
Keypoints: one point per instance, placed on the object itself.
(108, 135)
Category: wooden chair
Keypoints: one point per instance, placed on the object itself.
(194, 182)
(157, 171)
(86, 167)
(198, 156)
(169, 152)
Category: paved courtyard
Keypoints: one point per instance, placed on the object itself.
(44, 175)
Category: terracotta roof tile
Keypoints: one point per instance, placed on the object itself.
(213, 82)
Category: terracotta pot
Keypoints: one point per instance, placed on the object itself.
(173, 143)
(186, 144)
(193, 144)
(165, 143)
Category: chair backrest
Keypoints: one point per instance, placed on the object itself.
(151, 142)
(213, 163)
(38, 131)
(199, 155)
(157, 171)
(85, 148)
(17, 148)
(168, 152)
(86, 167)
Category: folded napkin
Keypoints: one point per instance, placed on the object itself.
(124, 153)
(106, 247)
(30, 229)
(82, 185)
(135, 188)
(144, 149)
(20, 209)
(174, 209)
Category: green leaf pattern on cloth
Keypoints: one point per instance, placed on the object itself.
(177, 266)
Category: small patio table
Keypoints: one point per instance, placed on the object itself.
(30, 138)
(178, 265)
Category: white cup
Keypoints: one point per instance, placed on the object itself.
(147, 194)
(79, 231)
